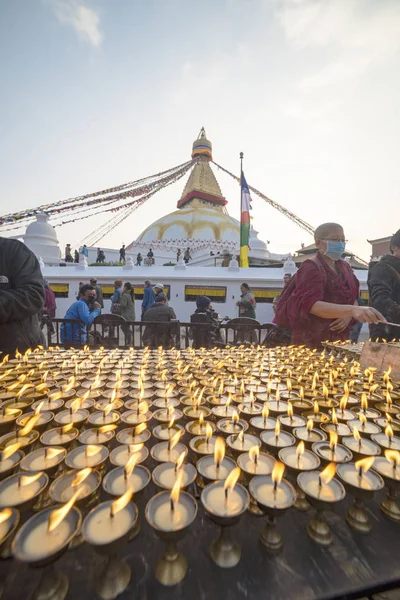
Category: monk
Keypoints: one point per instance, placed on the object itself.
(320, 302)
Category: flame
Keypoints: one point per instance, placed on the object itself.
(235, 417)
(389, 431)
(67, 428)
(343, 403)
(310, 424)
(328, 473)
(140, 428)
(134, 448)
(107, 428)
(172, 421)
(108, 408)
(364, 402)
(55, 396)
(316, 407)
(131, 464)
(254, 453)
(10, 450)
(333, 440)
(29, 426)
(300, 449)
(91, 450)
(290, 410)
(81, 476)
(5, 514)
(362, 418)
(39, 407)
(52, 452)
(121, 502)
(240, 437)
(265, 411)
(277, 472)
(393, 456)
(365, 464)
(180, 460)
(175, 439)
(28, 479)
(219, 451)
(231, 480)
(75, 405)
(277, 394)
(209, 431)
(69, 386)
(11, 411)
(23, 389)
(143, 408)
(289, 385)
(334, 417)
(201, 419)
(176, 488)
(356, 434)
(277, 428)
(325, 391)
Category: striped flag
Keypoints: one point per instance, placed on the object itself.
(244, 222)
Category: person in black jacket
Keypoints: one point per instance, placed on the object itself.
(21, 297)
(384, 291)
(205, 337)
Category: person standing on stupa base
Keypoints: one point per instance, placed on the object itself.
(122, 254)
(21, 297)
(139, 259)
(384, 291)
(320, 302)
(186, 256)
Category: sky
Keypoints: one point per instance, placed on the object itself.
(96, 93)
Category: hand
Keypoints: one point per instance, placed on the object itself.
(340, 325)
(97, 305)
(367, 314)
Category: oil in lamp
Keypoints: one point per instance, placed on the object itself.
(298, 459)
(7, 418)
(290, 421)
(42, 540)
(107, 528)
(199, 427)
(264, 421)
(86, 482)
(9, 521)
(98, 435)
(10, 458)
(225, 502)
(214, 467)
(253, 463)
(277, 406)
(232, 424)
(203, 444)
(340, 429)
(131, 476)
(365, 427)
(26, 436)
(273, 496)
(74, 414)
(321, 490)
(369, 413)
(89, 455)
(276, 439)
(384, 421)
(138, 435)
(332, 452)
(308, 434)
(387, 439)
(169, 451)
(387, 406)
(53, 403)
(300, 404)
(359, 446)
(170, 514)
(165, 474)
(140, 415)
(46, 459)
(361, 483)
(315, 414)
(241, 442)
(389, 469)
(59, 436)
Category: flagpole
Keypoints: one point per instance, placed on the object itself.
(240, 211)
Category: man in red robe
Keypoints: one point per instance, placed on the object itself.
(320, 302)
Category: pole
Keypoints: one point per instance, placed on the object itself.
(240, 213)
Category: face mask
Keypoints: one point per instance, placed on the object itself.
(334, 250)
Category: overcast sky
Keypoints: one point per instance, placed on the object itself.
(96, 93)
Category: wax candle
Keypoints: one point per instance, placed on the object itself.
(14, 437)
(120, 455)
(256, 463)
(44, 418)
(218, 502)
(117, 481)
(242, 442)
(197, 428)
(162, 452)
(290, 422)
(369, 480)
(165, 475)
(202, 445)
(43, 459)
(133, 417)
(100, 418)
(49, 404)
(364, 427)
(250, 408)
(77, 418)
(104, 404)
(58, 436)
(231, 425)
(310, 483)
(208, 468)
(131, 436)
(86, 403)
(161, 516)
(192, 412)
(270, 494)
(86, 481)
(383, 422)
(363, 446)
(283, 439)
(20, 488)
(333, 453)
(97, 435)
(386, 440)
(299, 459)
(86, 456)
(309, 435)
(340, 429)
(263, 422)
(388, 468)
(10, 461)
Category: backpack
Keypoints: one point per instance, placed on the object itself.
(283, 312)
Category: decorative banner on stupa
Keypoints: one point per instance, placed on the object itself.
(244, 222)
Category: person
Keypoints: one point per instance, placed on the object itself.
(99, 291)
(384, 291)
(68, 255)
(150, 257)
(286, 279)
(127, 311)
(178, 255)
(139, 259)
(115, 298)
(160, 312)
(99, 256)
(204, 313)
(247, 303)
(186, 256)
(122, 253)
(76, 256)
(320, 301)
(84, 251)
(85, 310)
(148, 297)
(21, 297)
(49, 309)
(355, 330)
(281, 336)
(158, 289)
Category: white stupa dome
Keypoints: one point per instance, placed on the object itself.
(41, 238)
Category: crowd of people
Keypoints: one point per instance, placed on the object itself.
(321, 302)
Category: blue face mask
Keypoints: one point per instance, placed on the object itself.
(334, 250)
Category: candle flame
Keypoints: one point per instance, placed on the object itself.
(300, 449)
(81, 476)
(107, 428)
(23, 389)
(140, 428)
(219, 451)
(91, 450)
(389, 431)
(265, 411)
(316, 407)
(364, 401)
(201, 419)
(108, 408)
(75, 405)
(373, 388)
(333, 440)
(121, 502)
(254, 453)
(301, 392)
(55, 396)
(10, 450)
(11, 411)
(53, 452)
(277, 428)
(388, 417)
(180, 460)
(277, 472)
(362, 418)
(175, 439)
(334, 417)
(143, 408)
(232, 479)
(39, 407)
(134, 448)
(310, 424)
(289, 385)
(393, 456)
(325, 391)
(365, 464)
(209, 431)
(241, 436)
(290, 410)
(176, 488)
(69, 386)
(5, 514)
(235, 417)
(28, 479)
(343, 403)
(29, 426)
(328, 473)
(66, 428)
(356, 434)
(131, 464)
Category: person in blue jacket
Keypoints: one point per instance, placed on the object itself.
(148, 297)
(85, 310)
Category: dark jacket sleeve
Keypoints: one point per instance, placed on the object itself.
(26, 295)
(381, 284)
